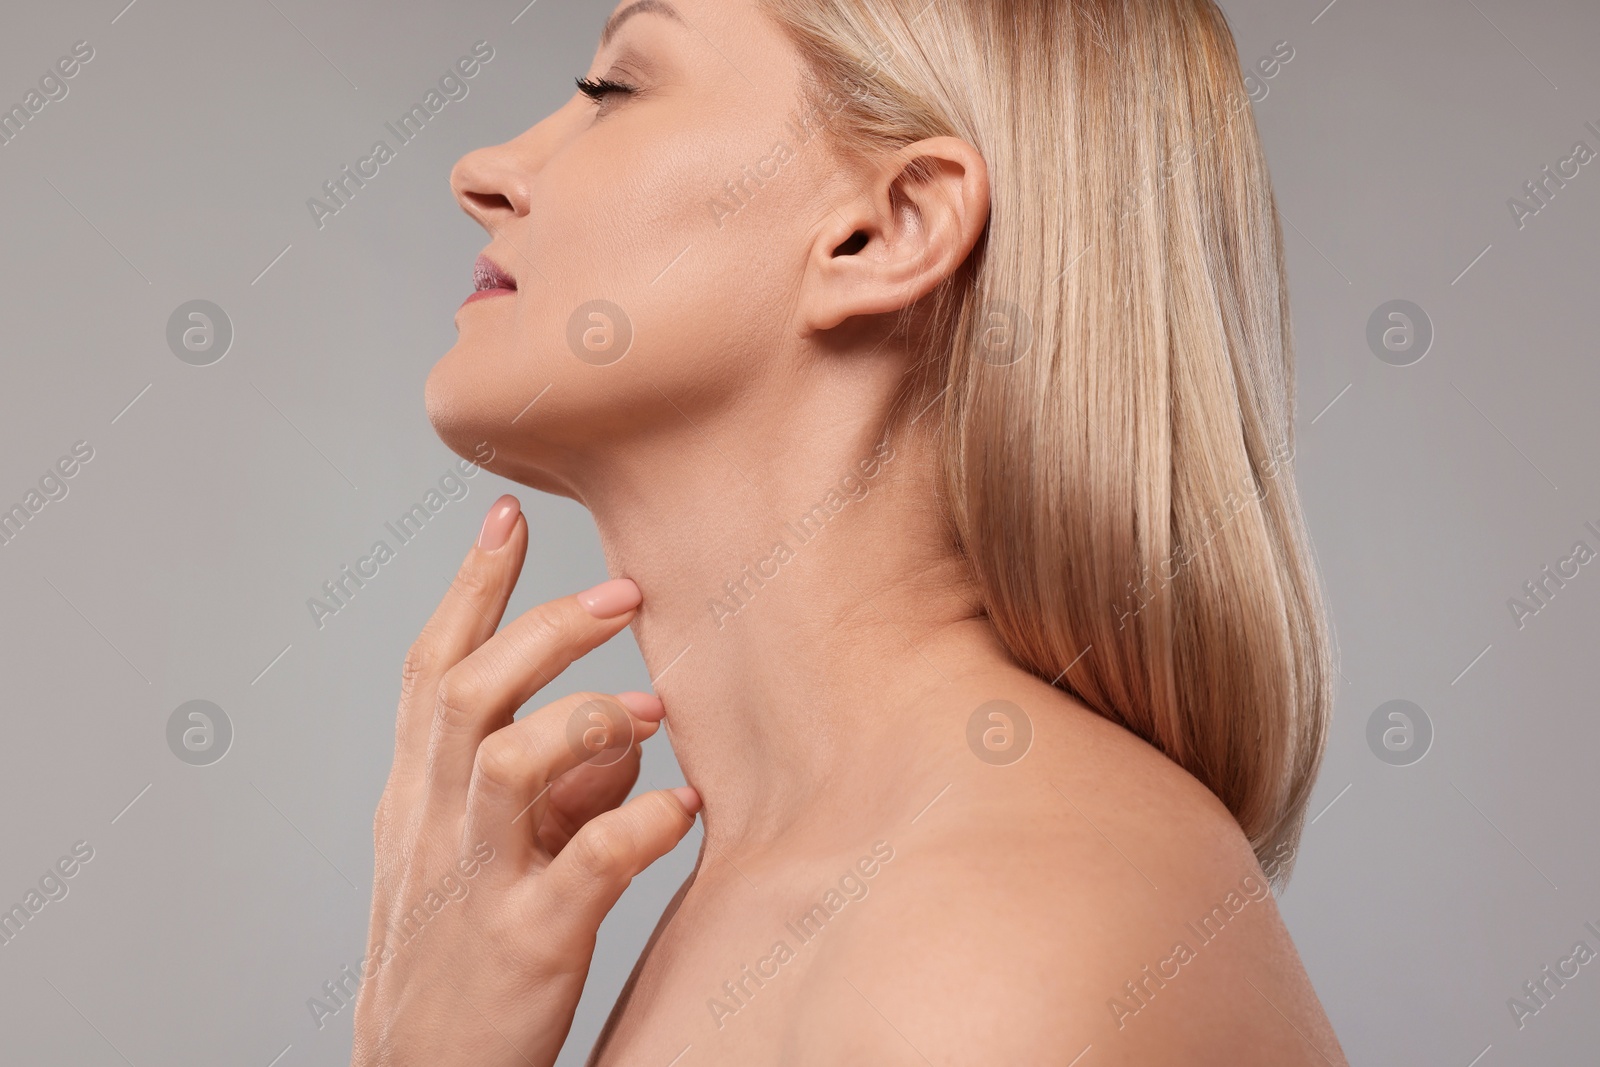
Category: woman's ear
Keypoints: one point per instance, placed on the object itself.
(911, 227)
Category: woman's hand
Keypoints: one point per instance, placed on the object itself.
(500, 845)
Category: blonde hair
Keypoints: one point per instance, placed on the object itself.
(1117, 367)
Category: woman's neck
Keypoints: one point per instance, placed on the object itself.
(801, 608)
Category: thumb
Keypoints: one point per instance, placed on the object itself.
(591, 872)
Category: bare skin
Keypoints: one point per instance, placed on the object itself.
(970, 902)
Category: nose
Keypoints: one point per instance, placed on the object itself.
(493, 184)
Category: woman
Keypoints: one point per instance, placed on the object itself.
(926, 370)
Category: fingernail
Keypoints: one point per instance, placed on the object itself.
(498, 523)
(644, 706)
(687, 796)
(610, 599)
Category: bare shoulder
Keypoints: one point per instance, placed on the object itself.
(1092, 896)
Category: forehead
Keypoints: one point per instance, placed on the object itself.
(732, 40)
(632, 9)
(722, 24)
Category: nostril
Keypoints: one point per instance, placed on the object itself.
(488, 203)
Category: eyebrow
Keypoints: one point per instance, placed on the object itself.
(640, 7)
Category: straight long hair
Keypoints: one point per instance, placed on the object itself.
(1117, 367)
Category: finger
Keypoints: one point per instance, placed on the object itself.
(515, 765)
(464, 619)
(480, 694)
(584, 792)
(582, 884)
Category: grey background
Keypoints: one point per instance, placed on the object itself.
(178, 566)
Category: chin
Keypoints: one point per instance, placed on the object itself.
(463, 412)
(475, 408)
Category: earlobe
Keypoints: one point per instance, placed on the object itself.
(908, 230)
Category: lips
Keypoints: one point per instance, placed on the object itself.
(488, 279)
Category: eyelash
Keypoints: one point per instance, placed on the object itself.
(597, 89)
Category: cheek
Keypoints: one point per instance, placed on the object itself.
(652, 259)
(617, 210)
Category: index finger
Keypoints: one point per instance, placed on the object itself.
(482, 693)
(466, 617)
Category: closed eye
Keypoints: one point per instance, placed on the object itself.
(597, 89)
